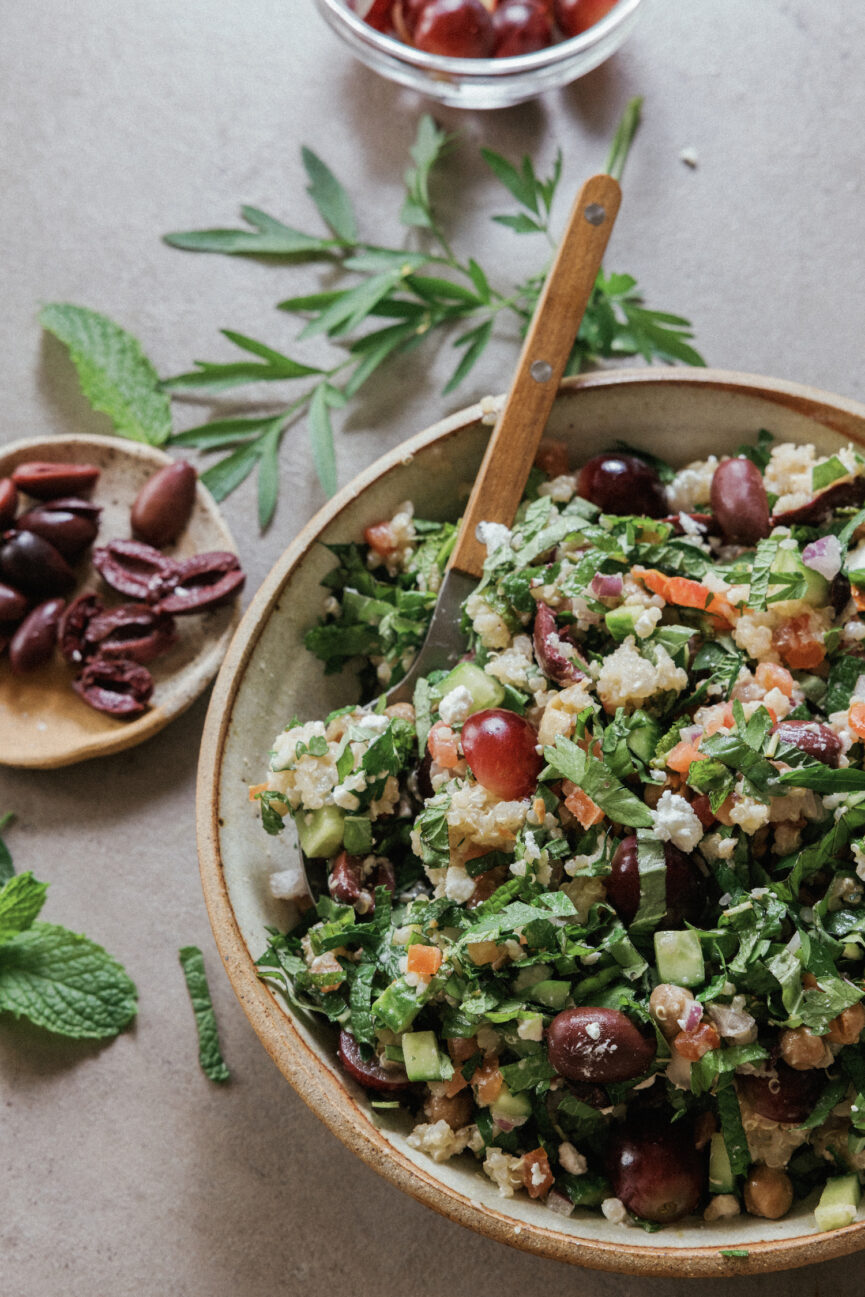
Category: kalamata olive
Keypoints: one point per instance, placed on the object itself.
(68, 532)
(13, 604)
(839, 593)
(132, 630)
(455, 28)
(368, 1073)
(348, 885)
(655, 1169)
(73, 624)
(33, 642)
(34, 566)
(136, 570)
(597, 1045)
(116, 686)
(521, 27)
(620, 483)
(164, 504)
(501, 750)
(788, 1096)
(47, 481)
(813, 737)
(683, 886)
(554, 657)
(841, 495)
(203, 582)
(739, 502)
(8, 501)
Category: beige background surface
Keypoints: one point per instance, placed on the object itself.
(124, 1170)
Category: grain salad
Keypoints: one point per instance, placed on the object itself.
(595, 912)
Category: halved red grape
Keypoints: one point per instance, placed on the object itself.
(788, 1096)
(655, 1169)
(501, 750)
(683, 890)
(621, 483)
(455, 28)
(370, 1074)
(576, 16)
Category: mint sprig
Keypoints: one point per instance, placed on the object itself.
(381, 302)
(209, 1053)
(59, 980)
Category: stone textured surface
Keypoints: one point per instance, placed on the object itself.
(124, 1170)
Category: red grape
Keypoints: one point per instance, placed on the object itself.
(683, 891)
(455, 28)
(368, 1072)
(619, 483)
(501, 750)
(576, 16)
(787, 1097)
(521, 27)
(655, 1169)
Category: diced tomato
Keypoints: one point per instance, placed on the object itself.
(682, 755)
(800, 648)
(698, 1041)
(859, 598)
(684, 592)
(702, 808)
(379, 536)
(537, 1176)
(455, 1084)
(443, 746)
(255, 789)
(771, 676)
(552, 457)
(487, 1081)
(581, 806)
(423, 960)
(856, 719)
(461, 1048)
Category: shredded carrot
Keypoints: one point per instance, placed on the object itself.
(255, 789)
(581, 805)
(537, 1176)
(684, 592)
(859, 598)
(769, 675)
(681, 757)
(423, 960)
(488, 1081)
(856, 719)
(443, 746)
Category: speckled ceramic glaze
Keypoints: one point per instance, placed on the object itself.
(267, 677)
(43, 722)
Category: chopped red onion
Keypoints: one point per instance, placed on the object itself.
(607, 587)
(692, 1016)
(558, 1203)
(691, 733)
(823, 556)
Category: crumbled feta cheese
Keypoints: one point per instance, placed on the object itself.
(689, 157)
(506, 1172)
(493, 535)
(572, 1161)
(344, 793)
(531, 1028)
(614, 1210)
(675, 821)
(288, 884)
(458, 885)
(438, 1141)
(456, 706)
(593, 1029)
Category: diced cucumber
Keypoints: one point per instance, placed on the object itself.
(788, 562)
(320, 832)
(679, 958)
(397, 1006)
(424, 1061)
(528, 977)
(357, 835)
(644, 737)
(721, 1178)
(839, 1202)
(485, 690)
(394, 1054)
(513, 1107)
(621, 621)
(554, 995)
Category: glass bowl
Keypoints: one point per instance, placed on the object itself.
(482, 83)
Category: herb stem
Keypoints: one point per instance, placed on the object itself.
(624, 138)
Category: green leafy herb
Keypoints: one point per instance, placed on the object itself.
(7, 869)
(761, 453)
(115, 375)
(826, 472)
(209, 1053)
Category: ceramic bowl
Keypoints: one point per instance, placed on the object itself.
(267, 676)
(43, 722)
(481, 83)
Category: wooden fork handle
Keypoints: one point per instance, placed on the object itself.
(501, 481)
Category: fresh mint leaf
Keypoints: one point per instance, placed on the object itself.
(329, 196)
(826, 472)
(65, 982)
(21, 899)
(735, 1139)
(843, 677)
(822, 779)
(762, 452)
(767, 552)
(115, 375)
(596, 781)
(209, 1054)
(7, 869)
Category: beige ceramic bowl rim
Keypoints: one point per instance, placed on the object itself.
(328, 1098)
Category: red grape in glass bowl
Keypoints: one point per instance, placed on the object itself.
(481, 53)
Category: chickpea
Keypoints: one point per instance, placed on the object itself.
(803, 1050)
(768, 1192)
(667, 1004)
(456, 1111)
(846, 1028)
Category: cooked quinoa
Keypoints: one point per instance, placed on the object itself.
(596, 899)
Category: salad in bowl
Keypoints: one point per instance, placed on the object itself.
(595, 910)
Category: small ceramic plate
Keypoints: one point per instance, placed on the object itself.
(43, 722)
(267, 676)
